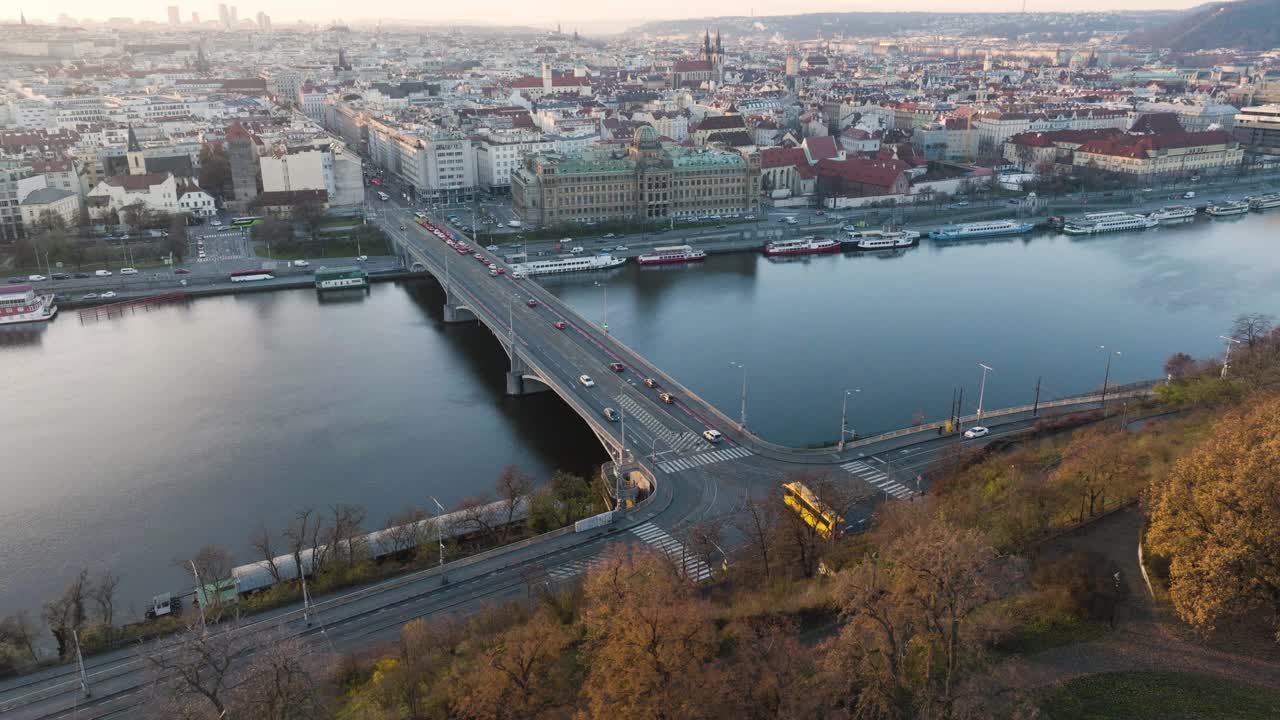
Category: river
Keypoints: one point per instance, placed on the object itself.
(130, 442)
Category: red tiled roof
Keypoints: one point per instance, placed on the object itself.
(879, 173)
(722, 122)
(1139, 146)
(692, 66)
(821, 147)
(137, 182)
(1050, 137)
(782, 157)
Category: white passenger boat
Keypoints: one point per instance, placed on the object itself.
(567, 264)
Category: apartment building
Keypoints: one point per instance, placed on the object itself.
(1258, 129)
(498, 153)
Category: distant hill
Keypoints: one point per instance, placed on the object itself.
(1245, 25)
(1039, 26)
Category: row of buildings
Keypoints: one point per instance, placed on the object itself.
(638, 128)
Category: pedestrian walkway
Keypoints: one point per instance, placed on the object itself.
(693, 567)
(876, 478)
(678, 441)
(708, 458)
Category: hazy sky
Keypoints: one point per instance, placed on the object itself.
(548, 12)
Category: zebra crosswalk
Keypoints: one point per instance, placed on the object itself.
(876, 478)
(678, 441)
(706, 458)
(694, 568)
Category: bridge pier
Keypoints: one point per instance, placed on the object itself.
(520, 379)
(455, 313)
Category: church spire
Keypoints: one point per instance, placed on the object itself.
(706, 45)
(133, 141)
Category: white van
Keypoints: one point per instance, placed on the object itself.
(102, 273)
(1188, 194)
(712, 436)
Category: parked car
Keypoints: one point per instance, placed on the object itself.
(181, 271)
(107, 295)
(89, 296)
(36, 278)
(301, 263)
(60, 276)
(976, 431)
(128, 271)
(102, 273)
(15, 279)
(82, 275)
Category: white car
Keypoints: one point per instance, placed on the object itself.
(36, 278)
(108, 295)
(301, 263)
(586, 381)
(712, 436)
(216, 223)
(362, 258)
(578, 250)
(102, 273)
(128, 271)
(620, 248)
(976, 431)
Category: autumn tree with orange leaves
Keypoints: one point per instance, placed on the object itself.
(1216, 517)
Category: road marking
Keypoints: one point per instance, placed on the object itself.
(678, 441)
(876, 478)
(706, 458)
(694, 568)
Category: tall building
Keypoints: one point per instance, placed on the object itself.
(1258, 129)
(649, 183)
(195, 18)
(174, 18)
(264, 22)
(232, 16)
(243, 151)
(224, 16)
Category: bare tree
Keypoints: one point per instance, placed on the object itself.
(703, 540)
(264, 544)
(407, 530)
(19, 631)
(759, 523)
(475, 517)
(104, 596)
(513, 488)
(67, 614)
(297, 535)
(197, 671)
(278, 684)
(344, 532)
(1250, 327)
(213, 564)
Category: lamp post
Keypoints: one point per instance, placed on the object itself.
(1106, 374)
(982, 389)
(605, 287)
(1226, 362)
(844, 415)
(742, 420)
(440, 534)
(194, 571)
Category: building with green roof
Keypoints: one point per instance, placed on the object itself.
(645, 182)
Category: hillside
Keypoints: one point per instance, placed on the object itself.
(1246, 25)
(1038, 26)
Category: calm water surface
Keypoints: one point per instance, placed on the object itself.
(130, 442)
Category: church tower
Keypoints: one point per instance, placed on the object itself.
(137, 163)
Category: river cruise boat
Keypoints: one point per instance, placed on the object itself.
(975, 230)
(1262, 202)
(672, 254)
(1105, 222)
(880, 239)
(801, 246)
(341, 278)
(566, 264)
(1173, 214)
(21, 304)
(1227, 209)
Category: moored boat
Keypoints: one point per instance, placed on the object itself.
(1173, 214)
(567, 264)
(880, 239)
(1227, 209)
(20, 304)
(1105, 222)
(672, 254)
(974, 230)
(1262, 202)
(801, 246)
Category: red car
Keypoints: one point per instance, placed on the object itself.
(560, 325)
(501, 271)
(532, 303)
(181, 271)
(617, 367)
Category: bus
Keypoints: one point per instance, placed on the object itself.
(251, 275)
(815, 513)
(246, 221)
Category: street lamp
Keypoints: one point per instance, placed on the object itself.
(982, 389)
(1226, 361)
(742, 422)
(1106, 375)
(844, 414)
(440, 533)
(605, 288)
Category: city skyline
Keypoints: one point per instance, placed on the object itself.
(569, 12)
